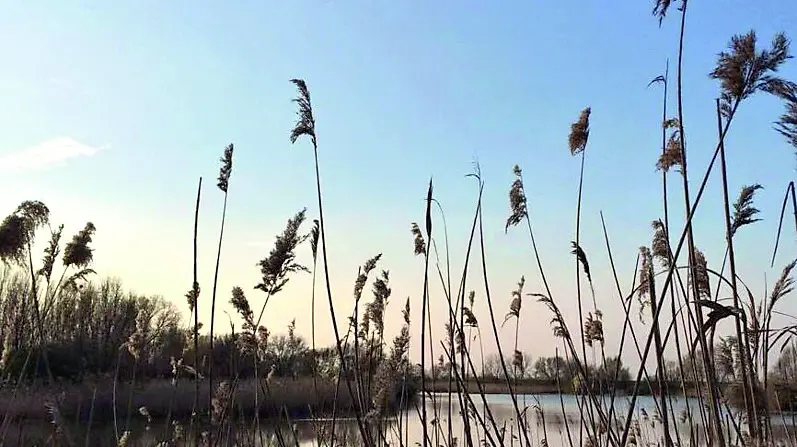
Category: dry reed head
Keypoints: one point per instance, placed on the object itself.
(787, 124)
(220, 402)
(77, 252)
(783, 286)
(375, 310)
(281, 260)
(518, 361)
(17, 231)
(645, 271)
(305, 125)
(582, 258)
(517, 301)
(517, 200)
(660, 8)
(314, 235)
(50, 253)
(593, 328)
(362, 276)
(420, 243)
(558, 321)
(226, 169)
(192, 296)
(701, 275)
(660, 245)
(743, 69)
(470, 318)
(743, 209)
(673, 154)
(579, 133)
(646, 281)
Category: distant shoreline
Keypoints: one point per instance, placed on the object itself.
(532, 386)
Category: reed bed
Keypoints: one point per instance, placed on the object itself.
(223, 390)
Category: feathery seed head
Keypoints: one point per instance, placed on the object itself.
(645, 271)
(305, 125)
(660, 245)
(77, 252)
(192, 296)
(362, 276)
(579, 133)
(673, 154)
(784, 284)
(701, 275)
(743, 209)
(582, 259)
(281, 260)
(314, 235)
(517, 200)
(420, 243)
(18, 229)
(226, 168)
(787, 124)
(50, 253)
(743, 69)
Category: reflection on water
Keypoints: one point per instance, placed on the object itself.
(553, 419)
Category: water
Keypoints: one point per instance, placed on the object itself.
(547, 417)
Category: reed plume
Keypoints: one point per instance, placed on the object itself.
(787, 124)
(582, 259)
(305, 125)
(673, 154)
(743, 209)
(743, 69)
(226, 168)
(660, 247)
(77, 252)
(517, 200)
(420, 243)
(661, 7)
(17, 230)
(281, 260)
(701, 275)
(579, 133)
(517, 301)
(51, 252)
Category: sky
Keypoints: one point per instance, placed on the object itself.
(112, 111)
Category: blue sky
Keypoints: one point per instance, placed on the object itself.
(139, 99)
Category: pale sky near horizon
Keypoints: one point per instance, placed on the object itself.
(111, 112)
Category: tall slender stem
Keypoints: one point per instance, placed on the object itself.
(195, 291)
(213, 301)
(742, 341)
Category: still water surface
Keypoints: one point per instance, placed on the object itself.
(551, 418)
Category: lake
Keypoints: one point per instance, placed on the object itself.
(545, 420)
